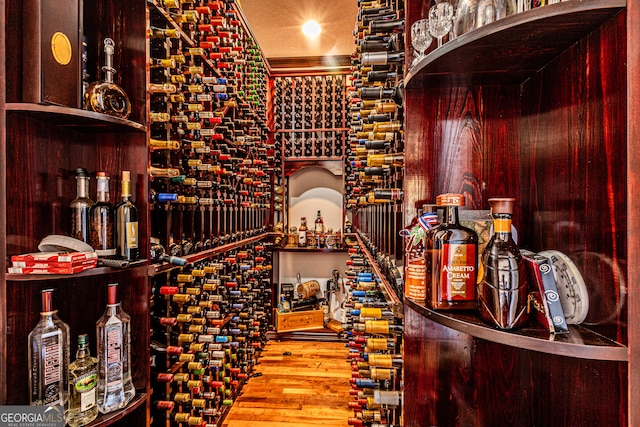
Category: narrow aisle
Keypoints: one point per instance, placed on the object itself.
(309, 387)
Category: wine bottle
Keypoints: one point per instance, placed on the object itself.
(48, 357)
(319, 224)
(83, 381)
(102, 218)
(127, 222)
(80, 207)
(113, 329)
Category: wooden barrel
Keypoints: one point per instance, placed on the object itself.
(308, 289)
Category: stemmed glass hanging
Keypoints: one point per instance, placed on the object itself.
(440, 20)
(421, 39)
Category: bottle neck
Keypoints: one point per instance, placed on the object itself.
(502, 226)
(450, 215)
(126, 190)
(82, 186)
(83, 351)
(103, 190)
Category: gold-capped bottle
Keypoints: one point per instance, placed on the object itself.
(451, 256)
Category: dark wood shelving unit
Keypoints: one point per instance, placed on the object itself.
(534, 106)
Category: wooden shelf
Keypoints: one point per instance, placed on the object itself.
(84, 120)
(165, 267)
(511, 49)
(107, 419)
(387, 290)
(97, 271)
(580, 342)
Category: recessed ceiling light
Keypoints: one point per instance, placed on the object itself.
(311, 29)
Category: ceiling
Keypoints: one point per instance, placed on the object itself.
(276, 25)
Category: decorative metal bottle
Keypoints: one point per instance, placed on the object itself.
(502, 293)
(105, 96)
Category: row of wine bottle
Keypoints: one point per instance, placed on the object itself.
(375, 345)
(209, 322)
(308, 144)
(112, 231)
(293, 106)
(88, 385)
(211, 165)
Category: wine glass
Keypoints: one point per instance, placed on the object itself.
(440, 20)
(421, 39)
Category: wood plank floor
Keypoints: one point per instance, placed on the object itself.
(308, 388)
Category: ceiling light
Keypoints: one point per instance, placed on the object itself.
(311, 29)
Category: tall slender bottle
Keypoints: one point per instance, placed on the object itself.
(319, 224)
(451, 253)
(83, 381)
(502, 293)
(115, 386)
(102, 219)
(127, 222)
(80, 207)
(48, 357)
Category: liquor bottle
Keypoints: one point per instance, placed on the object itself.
(49, 357)
(105, 96)
(101, 216)
(80, 207)
(414, 251)
(83, 381)
(127, 222)
(113, 331)
(451, 259)
(302, 233)
(319, 224)
(502, 294)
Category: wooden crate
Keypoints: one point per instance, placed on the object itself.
(298, 320)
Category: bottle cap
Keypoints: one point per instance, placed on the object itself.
(112, 293)
(450, 199)
(83, 340)
(81, 172)
(47, 300)
(502, 205)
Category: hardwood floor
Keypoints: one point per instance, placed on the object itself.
(310, 387)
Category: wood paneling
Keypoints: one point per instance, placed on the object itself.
(309, 387)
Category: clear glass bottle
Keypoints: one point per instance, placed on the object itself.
(102, 218)
(105, 96)
(80, 207)
(115, 385)
(502, 294)
(451, 257)
(83, 381)
(48, 357)
(127, 222)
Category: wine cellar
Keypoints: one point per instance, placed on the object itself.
(421, 214)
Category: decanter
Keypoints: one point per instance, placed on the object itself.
(105, 96)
